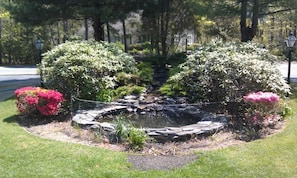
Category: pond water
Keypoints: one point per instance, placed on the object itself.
(153, 120)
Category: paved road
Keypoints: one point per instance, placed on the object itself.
(283, 67)
(15, 77)
(17, 70)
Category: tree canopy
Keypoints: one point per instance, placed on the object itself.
(164, 22)
(37, 12)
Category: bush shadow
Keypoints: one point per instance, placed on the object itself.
(11, 119)
(293, 90)
(31, 120)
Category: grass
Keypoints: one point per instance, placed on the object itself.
(25, 155)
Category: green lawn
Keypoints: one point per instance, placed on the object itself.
(25, 155)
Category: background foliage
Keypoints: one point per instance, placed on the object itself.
(164, 24)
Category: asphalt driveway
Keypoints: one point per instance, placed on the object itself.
(13, 77)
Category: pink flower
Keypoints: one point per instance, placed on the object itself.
(31, 99)
(262, 97)
(255, 119)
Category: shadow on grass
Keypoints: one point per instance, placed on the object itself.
(26, 121)
(31, 120)
(293, 91)
(34, 119)
(11, 119)
(8, 99)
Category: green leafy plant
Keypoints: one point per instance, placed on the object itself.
(172, 89)
(128, 90)
(126, 132)
(137, 138)
(124, 78)
(35, 100)
(122, 128)
(106, 94)
(285, 109)
(140, 48)
(145, 72)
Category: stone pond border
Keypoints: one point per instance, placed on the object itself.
(209, 123)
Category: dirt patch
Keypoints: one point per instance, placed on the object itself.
(153, 156)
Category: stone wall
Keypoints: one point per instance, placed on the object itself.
(208, 122)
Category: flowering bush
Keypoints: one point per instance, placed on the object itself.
(226, 71)
(263, 106)
(268, 98)
(85, 69)
(35, 100)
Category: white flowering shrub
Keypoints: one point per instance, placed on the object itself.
(85, 69)
(224, 72)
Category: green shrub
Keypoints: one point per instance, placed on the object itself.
(128, 90)
(105, 95)
(172, 89)
(86, 69)
(125, 131)
(143, 77)
(146, 52)
(145, 72)
(137, 138)
(133, 51)
(121, 129)
(225, 72)
(139, 46)
(124, 78)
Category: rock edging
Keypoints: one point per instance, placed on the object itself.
(209, 123)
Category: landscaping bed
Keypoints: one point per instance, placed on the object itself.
(157, 155)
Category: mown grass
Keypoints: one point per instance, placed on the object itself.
(25, 155)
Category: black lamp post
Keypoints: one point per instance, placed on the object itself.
(39, 45)
(290, 41)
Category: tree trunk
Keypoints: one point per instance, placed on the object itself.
(86, 29)
(124, 36)
(243, 20)
(58, 33)
(272, 29)
(65, 29)
(255, 20)
(249, 32)
(108, 32)
(164, 26)
(98, 29)
(162, 34)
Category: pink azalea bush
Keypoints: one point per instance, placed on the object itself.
(36, 100)
(262, 97)
(263, 106)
